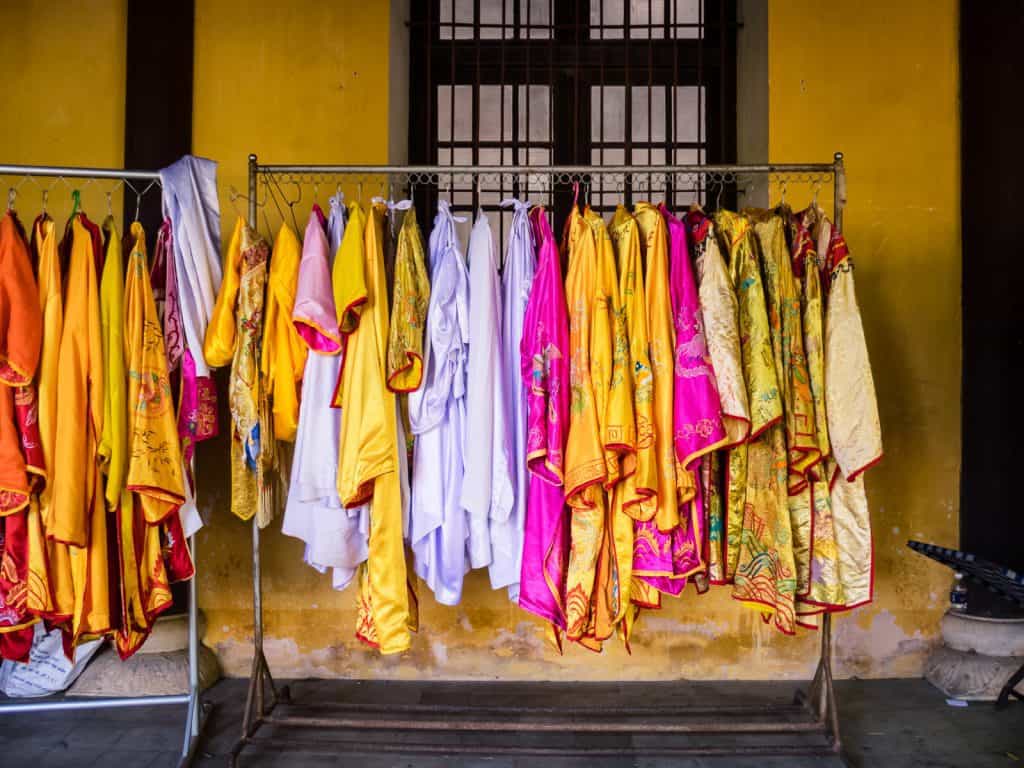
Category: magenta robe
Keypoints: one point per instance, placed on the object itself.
(697, 424)
(544, 360)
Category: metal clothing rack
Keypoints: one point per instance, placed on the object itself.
(817, 706)
(197, 710)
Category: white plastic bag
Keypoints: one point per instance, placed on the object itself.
(48, 670)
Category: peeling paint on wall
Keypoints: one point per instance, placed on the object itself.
(829, 90)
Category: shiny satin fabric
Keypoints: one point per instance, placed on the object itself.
(853, 423)
(544, 368)
(368, 461)
(112, 449)
(783, 304)
(154, 485)
(409, 303)
(611, 380)
(437, 414)
(719, 312)
(585, 470)
(245, 394)
(765, 572)
(516, 279)
(283, 356)
(50, 588)
(487, 491)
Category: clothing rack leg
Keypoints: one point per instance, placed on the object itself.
(198, 710)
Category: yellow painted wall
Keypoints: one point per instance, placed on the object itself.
(63, 68)
(314, 86)
(895, 117)
(865, 79)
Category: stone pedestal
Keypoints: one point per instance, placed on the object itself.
(977, 656)
(160, 668)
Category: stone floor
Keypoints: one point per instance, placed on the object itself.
(889, 723)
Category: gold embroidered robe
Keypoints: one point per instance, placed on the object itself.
(764, 574)
(584, 451)
(672, 490)
(154, 485)
(613, 397)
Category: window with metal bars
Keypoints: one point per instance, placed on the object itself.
(571, 82)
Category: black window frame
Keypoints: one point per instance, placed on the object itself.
(570, 62)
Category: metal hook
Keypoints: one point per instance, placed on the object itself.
(46, 199)
(718, 197)
(783, 192)
(814, 200)
(110, 204)
(316, 191)
(360, 188)
(12, 193)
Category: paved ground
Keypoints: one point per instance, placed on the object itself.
(888, 723)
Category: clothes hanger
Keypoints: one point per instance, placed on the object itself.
(110, 204)
(76, 202)
(12, 194)
(138, 206)
(46, 199)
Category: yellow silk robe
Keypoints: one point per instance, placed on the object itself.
(640, 489)
(585, 470)
(764, 574)
(672, 490)
(283, 358)
(79, 513)
(155, 487)
(114, 440)
(368, 460)
(219, 343)
(783, 303)
(613, 397)
(641, 484)
(408, 309)
(51, 593)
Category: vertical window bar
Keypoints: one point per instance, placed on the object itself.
(671, 97)
(701, 182)
(600, 114)
(501, 133)
(474, 185)
(628, 100)
(526, 90)
(650, 91)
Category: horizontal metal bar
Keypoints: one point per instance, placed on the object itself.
(725, 710)
(542, 726)
(589, 170)
(50, 705)
(76, 172)
(277, 743)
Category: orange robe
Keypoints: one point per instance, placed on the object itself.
(79, 516)
(51, 593)
(20, 335)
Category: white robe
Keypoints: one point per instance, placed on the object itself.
(516, 279)
(437, 416)
(190, 201)
(487, 491)
(335, 538)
